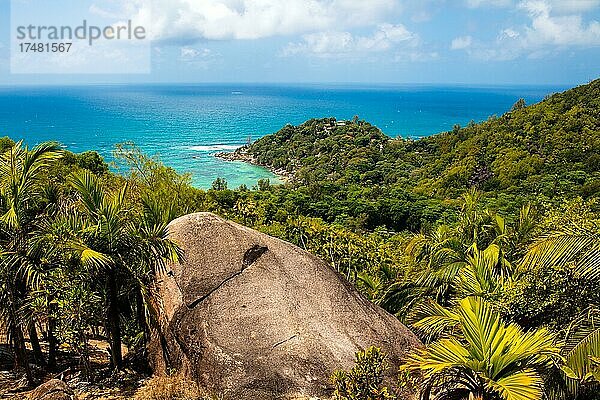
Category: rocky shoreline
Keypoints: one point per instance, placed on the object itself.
(242, 155)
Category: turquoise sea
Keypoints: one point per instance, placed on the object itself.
(186, 124)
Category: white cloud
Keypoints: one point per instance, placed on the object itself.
(421, 16)
(563, 30)
(189, 20)
(190, 54)
(553, 26)
(333, 43)
(322, 44)
(462, 42)
(508, 33)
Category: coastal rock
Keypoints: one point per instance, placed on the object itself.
(54, 389)
(254, 317)
(242, 155)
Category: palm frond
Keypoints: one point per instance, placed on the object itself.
(581, 349)
(501, 358)
(578, 246)
(523, 385)
(89, 189)
(432, 320)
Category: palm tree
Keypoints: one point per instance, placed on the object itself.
(582, 352)
(152, 250)
(52, 258)
(479, 273)
(450, 265)
(488, 359)
(128, 247)
(484, 273)
(577, 245)
(21, 205)
(445, 253)
(64, 291)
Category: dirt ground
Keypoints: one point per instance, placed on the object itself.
(107, 384)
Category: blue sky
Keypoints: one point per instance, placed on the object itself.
(372, 41)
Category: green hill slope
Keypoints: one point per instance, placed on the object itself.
(548, 149)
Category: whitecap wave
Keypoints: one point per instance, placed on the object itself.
(214, 147)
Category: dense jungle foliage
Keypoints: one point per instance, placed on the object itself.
(350, 169)
(485, 240)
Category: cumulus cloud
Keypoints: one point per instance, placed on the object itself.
(563, 30)
(553, 26)
(190, 20)
(333, 43)
(328, 28)
(462, 42)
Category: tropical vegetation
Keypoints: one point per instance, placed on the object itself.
(484, 240)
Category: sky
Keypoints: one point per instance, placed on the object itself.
(472, 42)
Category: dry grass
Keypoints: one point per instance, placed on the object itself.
(171, 388)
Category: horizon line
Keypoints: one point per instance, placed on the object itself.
(291, 83)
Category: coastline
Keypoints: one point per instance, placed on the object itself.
(240, 154)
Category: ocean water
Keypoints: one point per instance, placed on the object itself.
(186, 124)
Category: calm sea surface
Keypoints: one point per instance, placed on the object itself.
(187, 124)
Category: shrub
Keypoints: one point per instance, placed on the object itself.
(365, 380)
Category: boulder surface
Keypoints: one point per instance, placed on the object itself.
(253, 317)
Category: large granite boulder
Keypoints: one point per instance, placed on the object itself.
(254, 317)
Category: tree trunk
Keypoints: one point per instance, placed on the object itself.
(21, 361)
(38, 356)
(18, 340)
(51, 338)
(141, 316)
(85, 359)
(113, 321)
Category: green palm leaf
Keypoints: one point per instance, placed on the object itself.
(579, 246)
(581, 349)
(523, 385)
(501, 358)
(90, 191)
(433, 320)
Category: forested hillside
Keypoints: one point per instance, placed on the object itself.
(484, 240)
(540, 152)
